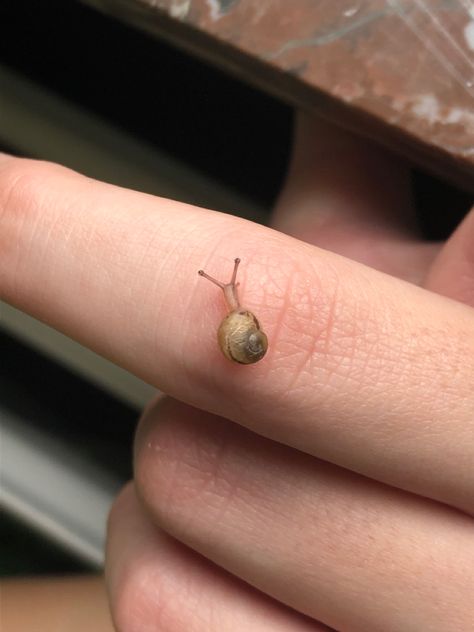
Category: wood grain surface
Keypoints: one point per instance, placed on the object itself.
(401, 72)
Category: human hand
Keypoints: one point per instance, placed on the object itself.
(335, 476)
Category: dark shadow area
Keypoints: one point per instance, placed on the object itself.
(194, 112)
(209, 120)
(64, 405)
(26, 553)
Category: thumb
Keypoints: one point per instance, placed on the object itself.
(452, 271)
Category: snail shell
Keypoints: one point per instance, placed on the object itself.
(241, 338)
(239, 335)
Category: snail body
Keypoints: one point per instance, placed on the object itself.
(239, 335)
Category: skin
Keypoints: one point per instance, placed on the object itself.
(55, 604)
(330, 484)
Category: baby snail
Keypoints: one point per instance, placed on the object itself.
(239, 335)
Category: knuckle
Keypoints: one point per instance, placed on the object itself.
(23, 182)
(140, 594)
(179, 465)
(318, 330)
(29, 194)
(140, 599)
(331, 336)
(26, 189)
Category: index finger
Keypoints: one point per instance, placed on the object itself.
(363, 370)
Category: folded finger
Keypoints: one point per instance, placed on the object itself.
(343, 549)
(452, 271)
(155, 583)
(348, 195)
(363, 370)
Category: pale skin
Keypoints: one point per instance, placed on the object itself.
(331, 484)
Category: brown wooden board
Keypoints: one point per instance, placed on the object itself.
(401, 72)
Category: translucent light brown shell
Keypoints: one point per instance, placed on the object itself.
(241, 338)
(239, 335)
